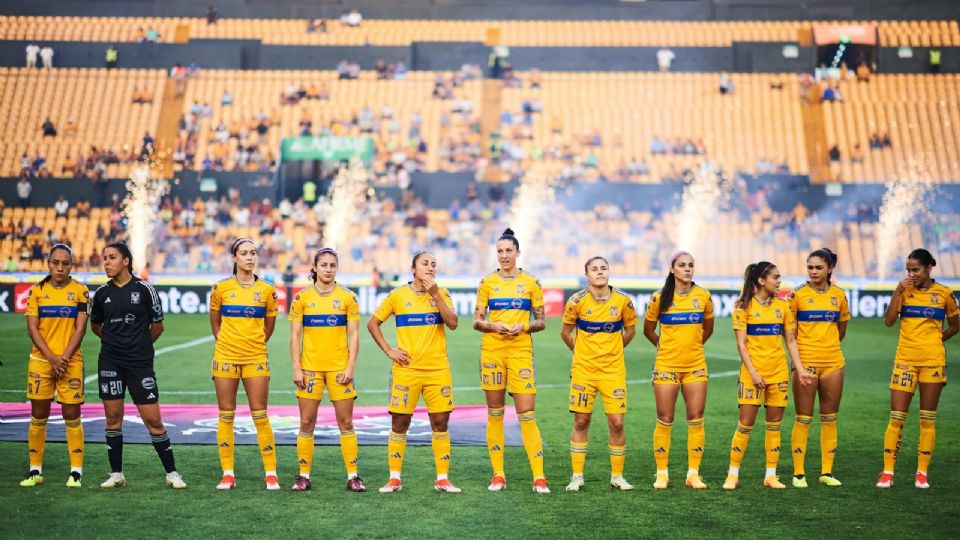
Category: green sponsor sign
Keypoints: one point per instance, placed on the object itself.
(326, 148)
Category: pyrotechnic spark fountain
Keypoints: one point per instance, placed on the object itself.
(903, 201)
(140, 207)
(344, 197)
(531, 202)
(701, 198)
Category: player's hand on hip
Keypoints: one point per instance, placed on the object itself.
(400, 357)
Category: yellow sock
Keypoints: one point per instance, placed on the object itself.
(828, 442)
(798, 441)
(305, 450)
(891, 440)
(661, 444)
(738, 446)
(349, 450)
(928, 436)
(225, 439)
(75, 442)
(578, 455)
(618, 454)
(772, 444)
(265, 440)
(441, 451)
(37, 441)
(396, 447)
(532, 443)
(696, 439)
(495, 438)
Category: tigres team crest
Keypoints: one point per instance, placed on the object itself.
(71, 296)
(336, 303)
(934, 298)
(433, 303)
(778, 313)
(613, 311)
(257, 297)
(696, 303)
(834, 301)
(519, 288)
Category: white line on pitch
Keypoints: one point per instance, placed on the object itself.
(164, 350)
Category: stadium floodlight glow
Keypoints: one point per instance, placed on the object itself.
(906, 198)
(141, 210)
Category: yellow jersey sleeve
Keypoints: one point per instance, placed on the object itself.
(630, 317)
(844, 308)
(296, 308)
(272, 309)
(739, 318)
(950, 305)
(33, 302)
(652, 313)
(708, 307)
(215, 299)
(386, 308)
(571, 310)
(536, 294)
(353, 307)
(789, 319)
(483, 294)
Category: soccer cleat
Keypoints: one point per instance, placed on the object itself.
(617, 482)
(73, 481)
(302, 484)
(273, 484)
(540, 486)
(227, 482)
(497, 483)
(731, 482)
(773, 482)
(392, 486)
(444, 486)
(662, 481)
(33, 478)
(576, 483)
(695, 481)
(355, 485)
(115, 480)
(829, 480)
(885, 481)
(801, 481)
(920, 480)
(175, 481)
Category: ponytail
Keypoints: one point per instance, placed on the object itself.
(666, 293)
(751, 275)
(828, 257)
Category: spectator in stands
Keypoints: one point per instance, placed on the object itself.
(83, 208)
(863, 72)
(111, 56)
(665, 58)
(10, 265)
(61, 206)
(46, 54)
(49, 130)
(830, 94)
(33, 50)
(353, 19)
(94, 259)
(24, 189)
(152, 35)
(400, 70)
(885, 141)
(179, 75)
(834, 153)
(146, 150)
(211, 15)
(726, 84)
(856, 154)
(36, 251)
(193, 68)
(934, 58)
(343, 69)
(141, 97)
(875, 142)
(70, 128)
(226, 99)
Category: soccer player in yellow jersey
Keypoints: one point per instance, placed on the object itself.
(685, 314)
(420, 367)
(821, 312)
(56, 322)
(505, 301)
(606, 321)
(243, 313)
(762, 322)
(922, 305)
(324, 341)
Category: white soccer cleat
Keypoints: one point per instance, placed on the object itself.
(576, 483)
(175, 481)
(115, 480)
(617, 482)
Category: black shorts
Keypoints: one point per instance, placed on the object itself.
(115, 378)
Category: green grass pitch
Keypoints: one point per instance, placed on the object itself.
(146, 508)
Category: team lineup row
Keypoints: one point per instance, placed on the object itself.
(598, 323)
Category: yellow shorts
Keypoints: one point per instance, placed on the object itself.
(41, 384)
(229, 370)
(660, 376)
(819, 372)
(774, 394)
(583, 393)
(316, 381)
(905, 377)
(407, 385)
(513, 373)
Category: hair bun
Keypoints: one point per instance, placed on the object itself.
(508, 232)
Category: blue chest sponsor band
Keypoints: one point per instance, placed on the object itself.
(324, 321)
(690, 317)
(598, 326)
(419, 319)
(818, 316)
(923, 312)
(250, 312)
(772, 329)
(509, 303)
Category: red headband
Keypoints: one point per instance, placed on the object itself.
(676, 255)
(325, 250)
(238, 241)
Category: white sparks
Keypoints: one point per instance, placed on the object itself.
(531, 201)
(903, 201)
(701, 198)
(140, 207)
(344, 199)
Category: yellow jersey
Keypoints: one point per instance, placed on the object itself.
(420, 329)
(324, 318)
(681, 329)
(817, 314)
(509, 300)
(598, 348)
(57, 310)
(921, 325)
(765, 326)
(242, 309)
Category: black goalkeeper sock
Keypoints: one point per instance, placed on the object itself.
(115, 449)
(165, 450)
